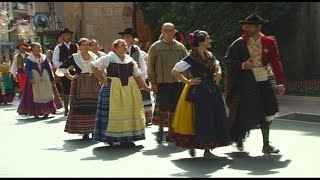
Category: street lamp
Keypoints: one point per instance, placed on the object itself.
(41, 22)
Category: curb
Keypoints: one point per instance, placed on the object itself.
(299, 98)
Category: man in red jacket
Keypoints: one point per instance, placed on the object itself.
(250, 96)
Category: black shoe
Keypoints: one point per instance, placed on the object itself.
(168, 138)
(127, 144)
(159, 137)
(268, 149)
(46, 116)
(239, 146)
(192, 152)
(66, 112)
(85, 136)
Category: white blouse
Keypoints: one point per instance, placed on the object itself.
(103, 62)
(182, 65)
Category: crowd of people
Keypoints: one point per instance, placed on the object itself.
(110, 94)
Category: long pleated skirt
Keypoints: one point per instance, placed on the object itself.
(84, 94)
(120, 114)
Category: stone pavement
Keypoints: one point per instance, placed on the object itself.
(40, 148)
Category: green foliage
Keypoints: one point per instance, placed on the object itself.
(312, 91)
(220, 19)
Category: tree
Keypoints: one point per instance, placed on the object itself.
(219, 19)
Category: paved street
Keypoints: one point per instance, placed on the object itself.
(40, 148)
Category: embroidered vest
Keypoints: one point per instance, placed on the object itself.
(21, 60)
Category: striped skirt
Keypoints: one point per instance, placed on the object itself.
(113, 126)
(84, 94)
(147, 105)
(56, 96)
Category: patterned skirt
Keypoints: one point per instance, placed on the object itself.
(120, 115)
(147, 105)
(57, 100)
(84, 94)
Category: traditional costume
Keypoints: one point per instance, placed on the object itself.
(17, 67)
(60, 53)
(250, 95)
(200, 119)
(6, 86)
(37, 99)
(84, 94)
(120, 114)
(135, 52)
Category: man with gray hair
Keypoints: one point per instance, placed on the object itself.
(162, 56)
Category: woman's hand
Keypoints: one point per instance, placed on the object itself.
(148, 89)
(280, 90)
(74, 77)
(104, 82)
(154, 87)
(194, 81)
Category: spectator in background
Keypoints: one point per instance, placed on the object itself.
(95, 48)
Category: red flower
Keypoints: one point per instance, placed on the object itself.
(191, 39)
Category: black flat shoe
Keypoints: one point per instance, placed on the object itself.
(168, 138)
(268, 149)
(192, 152)
(46, 116)
(127, 144)
(85, 136)
(159, 137)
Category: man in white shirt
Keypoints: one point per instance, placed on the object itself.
(61, 52)
(17, 68)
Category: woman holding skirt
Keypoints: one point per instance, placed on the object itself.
(37, 97)
(200, 120)
(84, 90)
(120, 115)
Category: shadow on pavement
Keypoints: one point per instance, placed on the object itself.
(8, 107)
(28, 120)
(108, 153)
(71, 145)
(308, 129)
(199, 167)
(257, 165)
(57, 120)
(164, 151)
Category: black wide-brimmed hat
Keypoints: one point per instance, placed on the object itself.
(66, 30)
(128, 31)
(254, 19)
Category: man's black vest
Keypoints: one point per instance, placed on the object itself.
(65, 52)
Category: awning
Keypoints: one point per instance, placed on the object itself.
(7, 45)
